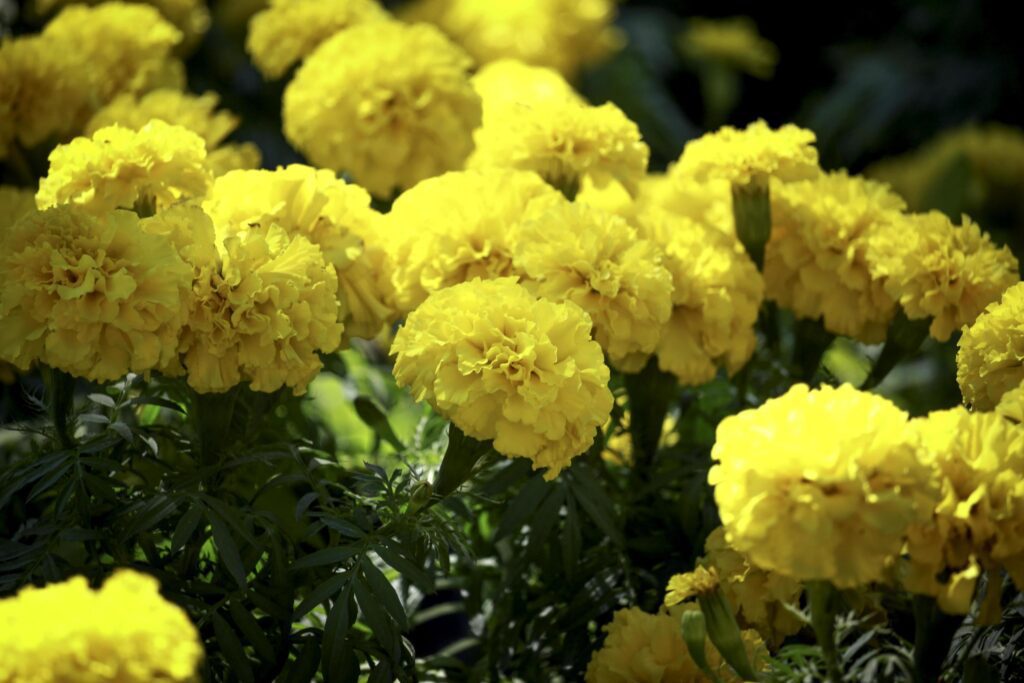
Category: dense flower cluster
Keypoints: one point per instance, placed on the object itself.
(832, 469)
(564, 35)
(990, 359)
(816, 260)
(978, 462)
(936, 269)
(389, 103)
(124, 632)
(191, 17)
(504, 365)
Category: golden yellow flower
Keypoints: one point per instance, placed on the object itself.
(505, 366)
(740, 156)
(242, 156)
(816, 259)
(649, 648)
(194, 112)
(1011, 405)
(708, 203)
(89, 294)
(532, 124)
(833, 469)
(457, 227)
(688, 586)
(564, 35)
(978, 462)
(15, 203)
(734, 42)
(124, 631)
(716, 294)
(990, 356)
(191, 17)
(334, 215)
(389, 103)
(288, 30)
(117, 167)
(574, 252)
(936, 269)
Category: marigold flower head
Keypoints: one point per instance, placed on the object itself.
(936, 269)
(564, 35)
(833, 469)
(334, 215)
(708, 203)
(816, 260)
(560, 137)
(242, 156)
(978, 462)
(117, 167)
(197, 113)
(716, 294)
(124, 631)
(288, 30)
(15, 202)
(191, 17)
(389, 103)
(740, 156)
(457, 227)
(688, 586)
(89, 294)
(990, 356)
(1011, 404)
(734, 42)
(649, 648)
(505, 366)
(573, 252)
(508, 82)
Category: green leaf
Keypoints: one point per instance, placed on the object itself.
(335, 556)
(157, 509)
(370, 413)
(391, 553)
(231, 648)
(522, 507)
(572, 538)
(337, 659)
(251, 629)
(102, 399)
(227, 550)
(343, 527)
(303, 668)
(587, 490)
(186, 527)
(375, 616)
(385, 592)
(321, 593)
(156, 401)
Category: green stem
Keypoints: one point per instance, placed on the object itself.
(213, 415)
(904, 339)
(933, 635)
(821, 595)
(752, 212)
(62, 397)
(651, 392)
(812, 340)
(462, 454)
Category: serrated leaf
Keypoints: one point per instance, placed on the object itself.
(335, 555)
(390, 552)
(385, 592)
(337, 658)
(231, 648)
(227, 550)
(375, 616)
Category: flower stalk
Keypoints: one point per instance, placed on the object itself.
(695, 634)
(724, 632)
(822, 596)
(752, 211)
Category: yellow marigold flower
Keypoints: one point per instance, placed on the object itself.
(716, 294)
(243, 156)
(1011, 405)
(708, 203)
(683, 587)
(573, 252)
(509, 82)
(334, 215)
(740, 156)
(833, 469)
(649, 648)
(191, 17)
(562, 138)
(89, 294)
(288, 30)
(124, 631)
(117, 167)
(503, 365)
(936, 269)
(978, 461)
(816, 259)
(758, 596)
(734, 42)
(564, 35)
(457, 227)
(990, 356)
(15, 202)
(194, 112)
(262, 313)
(389, 103)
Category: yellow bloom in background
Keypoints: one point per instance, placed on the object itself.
(242, 156)
(457, 227)
(816, 259)
(15, 203)
(757, 151)
(708, 202)
(936, 269)
(716, 294)
(733, 42)
(505, 366)
(564, 35)
(649, 648)
(198, 113)
(117, 167)
(1011, 405)
(89, 294)
(990, 355)
(572, 252)
(124, 631)
(688, 586)
(334, 215)
(978, 462)
(531, 124)
(191, 17)
(386, 102)
(819, 484)
(288, 30)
